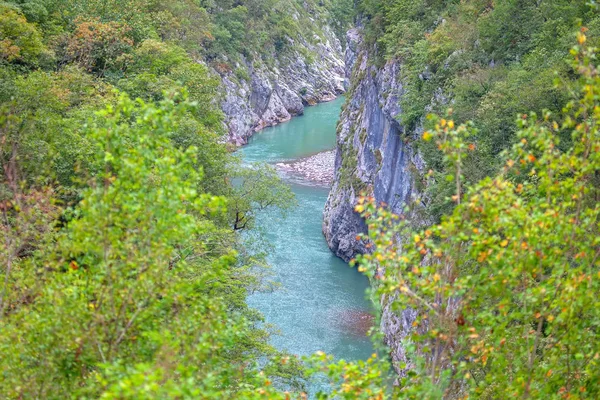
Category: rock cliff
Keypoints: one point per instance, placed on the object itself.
(375, 156)
(259, 94)
(374, 153)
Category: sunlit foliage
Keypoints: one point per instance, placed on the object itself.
(121, 302)
(488, 60)
(507, 285)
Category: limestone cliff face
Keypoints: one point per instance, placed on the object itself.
(374, 155)
(310, 71)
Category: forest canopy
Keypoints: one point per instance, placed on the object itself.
(124, 273)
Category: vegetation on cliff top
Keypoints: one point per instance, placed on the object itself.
(489, 61)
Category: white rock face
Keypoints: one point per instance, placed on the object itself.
(374, 153)
(276, 93)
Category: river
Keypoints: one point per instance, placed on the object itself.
(320, 304)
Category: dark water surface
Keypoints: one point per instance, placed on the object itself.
(321, 303)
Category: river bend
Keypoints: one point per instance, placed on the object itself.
(320, 304)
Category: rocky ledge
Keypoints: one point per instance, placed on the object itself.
(317, 168)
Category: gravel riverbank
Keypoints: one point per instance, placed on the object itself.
(317, 168)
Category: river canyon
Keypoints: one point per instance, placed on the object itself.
(320, 304)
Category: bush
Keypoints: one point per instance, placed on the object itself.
(20, 41)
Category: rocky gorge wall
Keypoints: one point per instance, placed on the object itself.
(374, 155)
(265, 94)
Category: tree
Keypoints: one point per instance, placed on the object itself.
(135, 297)
(20, 41)
(256, 188)
(50, 110)
(506, 286)
(97, 46)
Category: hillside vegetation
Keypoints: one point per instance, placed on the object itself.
(124, 273)
(487, 60)
(123, 270)
(506, 285)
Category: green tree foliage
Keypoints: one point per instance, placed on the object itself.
(218, 31)
(97, 46)
(48, 111)
(342, 17)
(490, 59)
(506, 286)
(156, 67)
(122, 277)
(20, 41)
(258, 188)
(122, 272)
(123, 303)
(184, 22)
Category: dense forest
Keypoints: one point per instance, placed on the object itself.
(123, 272)
(505, 280)
(488, 61)
(128, 243)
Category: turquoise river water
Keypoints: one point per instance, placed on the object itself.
(320, 304)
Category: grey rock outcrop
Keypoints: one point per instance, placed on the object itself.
(265, 95)
(375, 156)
